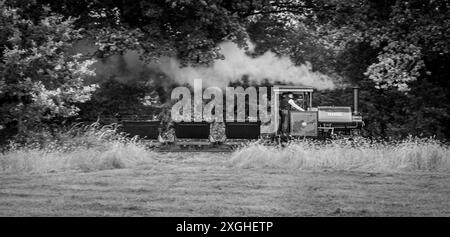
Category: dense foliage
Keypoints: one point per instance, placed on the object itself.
(40, 80)
(396, 51)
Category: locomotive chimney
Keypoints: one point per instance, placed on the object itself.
(355, 100)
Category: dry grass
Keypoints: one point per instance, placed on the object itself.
(303, 179)
(85, 148)
(91, 148)
(203, 184)
(409, 155)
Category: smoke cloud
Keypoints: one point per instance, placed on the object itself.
(238, 64)
(234, 67)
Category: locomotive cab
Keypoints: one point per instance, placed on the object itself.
(321, 121)
(302, 123)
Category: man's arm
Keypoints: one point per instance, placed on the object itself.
(291, 102)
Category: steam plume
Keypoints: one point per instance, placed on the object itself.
(237, 64)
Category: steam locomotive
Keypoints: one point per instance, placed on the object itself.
(315, 122)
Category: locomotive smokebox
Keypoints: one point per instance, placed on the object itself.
(355, 100)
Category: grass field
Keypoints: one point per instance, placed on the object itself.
(93, 171)
(204, 184)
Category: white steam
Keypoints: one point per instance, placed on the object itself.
(235, 66)
(238, 64)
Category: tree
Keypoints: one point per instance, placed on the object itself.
(187, 29)
(40, 80)
(405, 33)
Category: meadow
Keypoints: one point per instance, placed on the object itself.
(94, 171)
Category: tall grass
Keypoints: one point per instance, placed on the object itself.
(412, 154)
(95, 147)
(85, 148)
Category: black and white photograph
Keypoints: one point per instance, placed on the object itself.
(224, 109)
